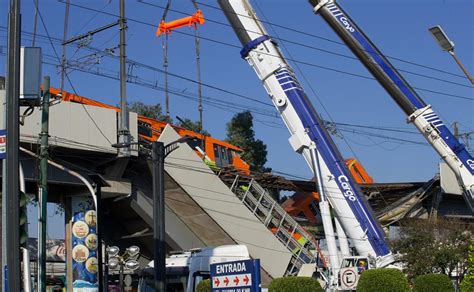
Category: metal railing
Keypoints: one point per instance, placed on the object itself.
(303, 246)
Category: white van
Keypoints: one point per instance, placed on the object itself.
(184, 270)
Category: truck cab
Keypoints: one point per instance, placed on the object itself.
(351, 269)
(360, 263)
(186, 269)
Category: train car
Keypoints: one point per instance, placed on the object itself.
(216, 153)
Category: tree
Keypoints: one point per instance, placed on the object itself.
(241, 134)
(375, 280)
(433, 283)
(295, 284)
(467, 283)
(149, 111)
(192, 126)
(434, 247)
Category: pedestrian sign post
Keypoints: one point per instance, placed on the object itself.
(238, 276)
(3, 143)
(349, 278)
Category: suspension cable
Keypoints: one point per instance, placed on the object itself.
(166, 28)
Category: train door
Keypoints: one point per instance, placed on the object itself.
(222, 155)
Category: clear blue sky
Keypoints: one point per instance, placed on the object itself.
(398, 28)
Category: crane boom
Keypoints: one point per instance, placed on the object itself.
(419, 113)
(309, 137)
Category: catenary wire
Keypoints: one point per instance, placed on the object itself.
(67, 76)
(335, 42)
(276, 37)
(296, 61)
(224, 106)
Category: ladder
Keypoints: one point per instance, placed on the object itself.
(303, 246)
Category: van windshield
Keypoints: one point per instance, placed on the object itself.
(176, 280)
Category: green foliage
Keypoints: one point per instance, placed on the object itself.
(204, 286)
(241, 134)
(375, 280)
(467, 283)
(294, 284)
(149, 111)
(432, 283)
(433, 247)
(192, 126)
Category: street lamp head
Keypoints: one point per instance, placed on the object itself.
(112, 251)
(113, 263)
(441, 38)
(133, 250)
(132, 265)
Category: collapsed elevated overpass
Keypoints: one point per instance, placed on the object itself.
(201, 209)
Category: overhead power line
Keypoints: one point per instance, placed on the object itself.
(293, 60)
(51, 39)
(310, 46)
(67, 76)
(222, 105)
(332, 41)
(149, 67)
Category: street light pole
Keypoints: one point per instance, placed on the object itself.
(99, 183)
(12, 161)
(158, 173)
(447, 45)
(158, 154)
(461, 66)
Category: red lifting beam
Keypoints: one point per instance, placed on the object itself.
(167, 27)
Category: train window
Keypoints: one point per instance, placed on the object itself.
(224, 153)
(314, 208)
(145, 129)
(236, 154)
(195, 142)
(216, 151)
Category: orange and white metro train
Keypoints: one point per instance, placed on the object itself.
(218, 153)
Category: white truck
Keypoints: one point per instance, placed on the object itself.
(184, 270)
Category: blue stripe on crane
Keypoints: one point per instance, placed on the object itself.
(458, 148)
(335, 163)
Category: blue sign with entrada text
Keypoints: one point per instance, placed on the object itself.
(237, 276)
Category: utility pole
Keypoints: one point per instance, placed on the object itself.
(198, 67)
(124, 133)
(43, 188)
(12, 182)
(4, 197)
(63, 55)
(33, 42)
(158, 173)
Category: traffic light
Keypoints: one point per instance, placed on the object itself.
(23, 220)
